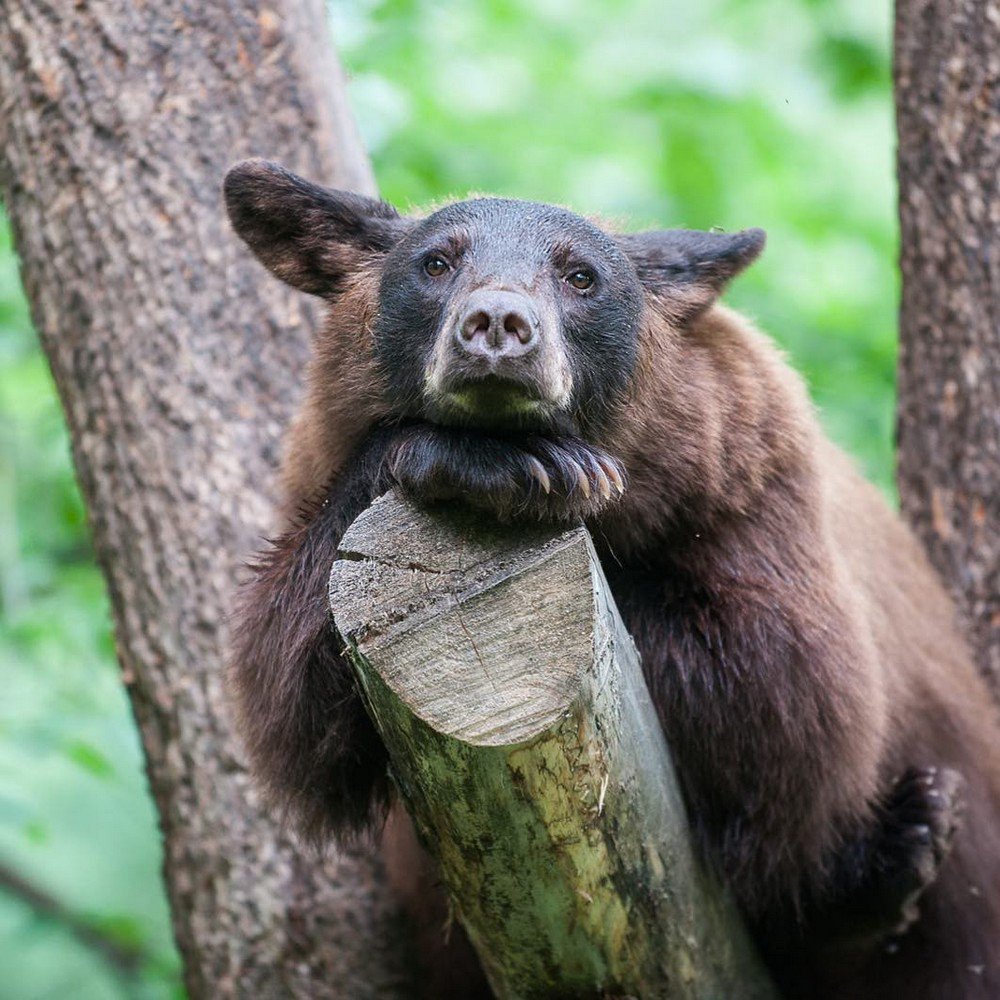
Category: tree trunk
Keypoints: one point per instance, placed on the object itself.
(948, 112)
(177, 363)
(527, 749)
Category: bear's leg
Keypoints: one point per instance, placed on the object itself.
(310, 740)
(878, 882)
(873, 892)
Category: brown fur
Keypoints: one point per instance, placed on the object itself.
(731, 476)
(800, 652)
(729, 471)
(342, 396)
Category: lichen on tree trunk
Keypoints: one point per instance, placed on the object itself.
(178, 364)
(947, 72)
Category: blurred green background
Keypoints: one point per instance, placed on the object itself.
(725, 113)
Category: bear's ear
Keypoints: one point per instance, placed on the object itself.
(309, 236)
(688, 268)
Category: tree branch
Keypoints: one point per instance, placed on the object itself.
(126, 961)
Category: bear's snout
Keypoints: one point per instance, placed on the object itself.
(497, 323)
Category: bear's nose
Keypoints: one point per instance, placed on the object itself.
(497, 323)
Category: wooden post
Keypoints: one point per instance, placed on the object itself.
(525, 745)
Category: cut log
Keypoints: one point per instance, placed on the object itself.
(526, 748)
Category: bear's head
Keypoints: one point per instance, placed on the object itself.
(490, 316)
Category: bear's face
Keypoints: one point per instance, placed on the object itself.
(496, 313)
(505, 335)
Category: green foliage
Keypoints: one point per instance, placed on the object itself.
(723, 113)
(75, 815)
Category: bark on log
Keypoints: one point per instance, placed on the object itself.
(948, 113)
(526, 747)
(177, 365)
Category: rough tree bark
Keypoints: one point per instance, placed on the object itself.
(528, 751)
(948, 113)
(177, 365)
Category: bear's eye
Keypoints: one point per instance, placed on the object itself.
(581, 279)
(435, 265)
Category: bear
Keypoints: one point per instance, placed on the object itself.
(837, 751)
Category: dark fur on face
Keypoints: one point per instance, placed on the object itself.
(588, 340)
(799, 651)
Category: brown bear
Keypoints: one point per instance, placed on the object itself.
(821, 708)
